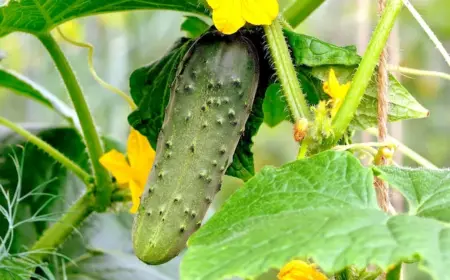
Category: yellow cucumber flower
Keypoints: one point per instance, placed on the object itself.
(336, 91)
(230, 15)
(300, 270)
(134, 172)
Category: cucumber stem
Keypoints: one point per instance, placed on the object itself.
(286, 72)
(103, 187)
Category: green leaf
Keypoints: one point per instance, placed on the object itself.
(194, 27)
(24, 86)
(323, 208)
(274, 106)
(427, 191)
(150, 88)
(312, 52)
(317, 57)
(402, 105)
(42, 16)
(243, 166)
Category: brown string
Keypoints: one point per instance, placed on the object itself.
(383, 106)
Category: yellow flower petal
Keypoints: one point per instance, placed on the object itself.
(136, 192)
(227, 16)
(141, 156)
(300, 270)
(116, 163)
(332, 87)
(260, 12)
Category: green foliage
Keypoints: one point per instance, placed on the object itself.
(150, 88)
(194, 27)
(322, 208)
(24, 86)
(427, 191)
(48, 176)
(41, 18)
(313, 52)
(402, 105)
(274, 106)
(313, 59)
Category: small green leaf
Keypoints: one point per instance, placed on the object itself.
(427, 191)
(194, 27)
(274, 106)
(310, 51)
(323, 208)
(402, 105)
(24, 86)
(44, 16)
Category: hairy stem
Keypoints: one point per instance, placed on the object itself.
(286, 72)
(300, 10)
(365, 70)
(58, 232)
(103, 187)
(58, 156)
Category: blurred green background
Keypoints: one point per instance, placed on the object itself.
(126, 41)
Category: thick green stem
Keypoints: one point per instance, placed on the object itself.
(103, 187)
(300, 10)
(365, 70)
(286, 72)
(58, 232)
(59, 157)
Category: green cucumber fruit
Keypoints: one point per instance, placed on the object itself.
(211, 99)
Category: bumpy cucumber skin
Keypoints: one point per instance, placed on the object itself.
(210, 103)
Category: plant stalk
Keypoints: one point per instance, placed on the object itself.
(300, 10)
(103, 186)
(57, 155)
(58, 232)
(286, 72)
(411, 154)
(365, 70)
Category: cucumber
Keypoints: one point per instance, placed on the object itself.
(211, 99)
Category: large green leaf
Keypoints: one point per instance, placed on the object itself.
(37, 16)
(322, 208)
(427, 191)
(24, 86)
(402, 105)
